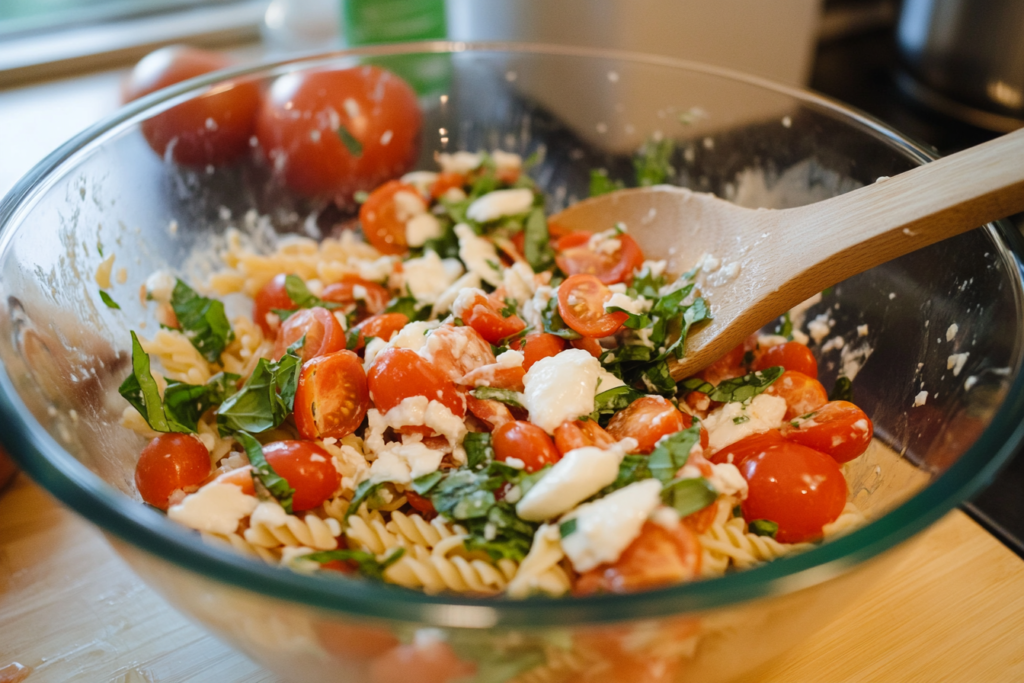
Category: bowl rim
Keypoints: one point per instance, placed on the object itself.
(118, 515)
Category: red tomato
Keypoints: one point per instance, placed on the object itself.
(838, 428)
(798, 488)
(497, 376)
(801, 393)
(352, 642)
(332, 397)
(382, 219)
(446, 181)
(537, 345)
(791, 355)
(571, 435)
(307, 468)
(397, 374)
(241, 477)
(648, 419)
(431, 662)
(525, 441)
(492, 413)
(658, 557)
(372, 299)
(581, 304)
(270, 297)
(484, 314)
(322, 330)
(381, 326)
(589, 345)
(420, 504)
(457, 351)
(209, 129)
(575, 257)
(738, 452)
(307, 115)
(168, 463)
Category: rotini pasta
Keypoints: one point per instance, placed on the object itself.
(180, 360)
(851, 518)
(539, 571)
(270, 527)
(436, 571)
(743, 548)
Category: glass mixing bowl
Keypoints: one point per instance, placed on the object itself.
(759, 144)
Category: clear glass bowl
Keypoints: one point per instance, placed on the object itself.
(760, 144)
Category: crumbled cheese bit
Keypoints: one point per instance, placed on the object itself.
(376, 271)
(428, 276)
(495, 205)
(636, 306)
(832, 344)
(731, 422)
(862, 330)
(510, 359)
(159, 286)
(956, 362)
(920, 399)
(951, 332)
(606, 527)
(479, 255)
(420, 228)
(459, 162)
(561, 387)
(215, 508)
(408, 205)
(819, 328)
(421, 180)
(401, 463)
(506, 161)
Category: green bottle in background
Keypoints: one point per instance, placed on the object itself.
(372, 22)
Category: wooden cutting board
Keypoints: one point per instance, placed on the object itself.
(73, 611)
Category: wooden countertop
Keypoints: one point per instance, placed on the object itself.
(73, 611)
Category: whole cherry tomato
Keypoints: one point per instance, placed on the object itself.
(838, 428)
(332, 396)
(168, 463)
(272, 296)
(575, 256)
(738, 452)
(658, 557)
(308, 468)
(321, 329)
(527, 442)
(573, 434)
(791, 355)
(581, 304)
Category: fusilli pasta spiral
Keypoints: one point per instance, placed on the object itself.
(743, 549)
(540, 570)
(271, 527)
(849, 519)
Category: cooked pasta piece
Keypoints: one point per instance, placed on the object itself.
(180, 360)
(849, 519)
(539, 571)
(271, 527)
(369, 531)
(236, 542)
(437, 571)
(743, 548)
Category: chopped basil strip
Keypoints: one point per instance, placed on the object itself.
(300, 295)
(607, 403)
(186, 403)
(689, 495)
(422, 485)
(363, 491)
(263, 474)
(653, 163)
(600, 183)
(409, 307)
(553, 323)
(478, 447)
(202, 320)
(740, 419)
(354, 147)
(633, 468)
(785, 326)
(141, 390)
(763, 527)
(672, 452)
(367, 563)
(737, 389)
(537, 241)
(567, 527)
(266, 398)
(106, 299)
(842, 391)
(506, 396)
(633, 321)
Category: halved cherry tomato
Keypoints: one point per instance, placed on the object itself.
(791, 355)
(329, 133)
(168, 463)
(527, 442)
(492, 413)
(488, 316)
(332, 397)
(798, 488)
(457, 351)
(209, 129)
(307, 468)
(537, 345)
(382, 219)
(581, 304)
(322, 330)
(838, 428)
(738, 452)
(648, 419)
(573, 434)
(801, 393)
(589, 345)
(430, 662)
(446, 181)
(658, 557)
(372, 298)
(272, 296)
(574, 257)
(397, 374)
(420, 504)
(382, 326)
(555, 233)
(241, 477)
(497, 376)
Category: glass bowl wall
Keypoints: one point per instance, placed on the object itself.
(755, 143)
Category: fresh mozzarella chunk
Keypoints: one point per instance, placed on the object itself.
(401, 463)
(653, 268)
(216, 508)
(494, 205)
(421, 228)
(459, 162)
(561, 387)
(465, 302)
(576, 477)
(519, 282)
(416, 411)
(635, 306)
(728, 481)
(444, 302)
(421, 180)
(479, 255)
(412, 336)
(159, 286)
(376, 271)
(510, 359)
(607, 526)
(533, 309)
(731, 422)
(506, 161)
(428, 276)
(407, 205)
(606, 381)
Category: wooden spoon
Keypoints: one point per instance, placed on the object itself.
(786, 256)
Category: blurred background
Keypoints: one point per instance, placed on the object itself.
(949, 73)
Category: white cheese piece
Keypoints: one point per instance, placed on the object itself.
(421, 180)
(666, 517)
(533, 309)
(561, 387)
(376, 271)
(408, 205)
(956, 362)
(466, 301)
(576, 477)
(159, 286)
(731, 422)
(401, 463)
(727, 480)
(427, 277)
(479, 255)
(445, 300)
(607, 526)
(635, 306)
(506, 161)
(495, 205)
(216, 508)
(709, 263)
(412, 336)
(653, 268)
(511, 359)
(862, 330)
(421, 228)
(606, 381)
(519, 282)
(420, 411)
(819, 328)
(459, 162)
(373, 349)
(920, 399)
(951, 332)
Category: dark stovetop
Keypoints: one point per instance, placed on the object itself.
(862, 70)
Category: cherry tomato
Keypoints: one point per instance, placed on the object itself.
(383, 219)
(571, 435)
(208, 129)
(332, 397)
(791, 355)
(372, 298)
(322, 330)
(349, 642)
(420, 504)
(575, 257)
(801, 393)
(397, 374)
(648, 419)
(492, 413)
(488, 316)
(798, 488)
(270, 297)
(382, 326)
(527, 442)
(497, 376)
(446, 181)
(457, 351)
(537, 345)
(658, 557)
(308, 116)
(738, 452)
(589, 345)
(168, 463)
(241, 477)
(430, 662)
(308, 468)
(581, 304)
(838, 428)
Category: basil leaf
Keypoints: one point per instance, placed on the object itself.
(537, 241)
(479, 451)
(266, 398)
(367, 563)
(741, 389)
(600, 183)
(633, 321)
(553, 323)
(202, 320)
(689, 495)
(354, 147)
(842, 391)
(501, 534)
(263, 473)
(409, 307)
(300, 295)
(363, 491)
(633, 468)
(626, 354)
(763, 527)
(647, 285)
(672, 452)
(567, 528)
(105, 298)
(658, 379)
(186, 403)
(653, 163)
(785, 326)
(612, 401)
(422, 485)
(142, 392)
(506, 396)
